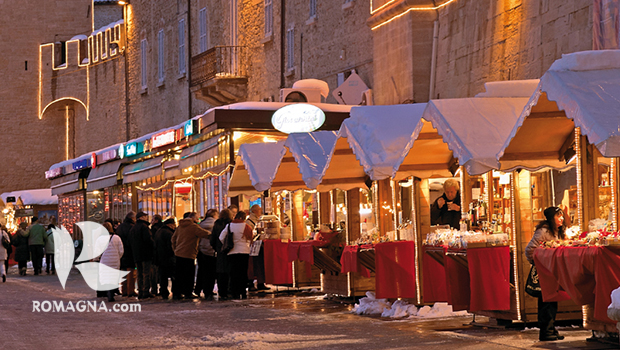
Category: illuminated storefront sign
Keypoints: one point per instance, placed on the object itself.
(131, 149)
(93, 160)
(190, 127)
(163, 139)
(108, 155)
(121, 151)
(54, 172)
(298, 117)
(81, 164)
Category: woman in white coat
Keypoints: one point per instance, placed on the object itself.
(3, 253)
(239, 255)
(111, 257)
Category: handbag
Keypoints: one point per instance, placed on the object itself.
(229, 242)
(255, 247)
(532, 285)
(5, 242)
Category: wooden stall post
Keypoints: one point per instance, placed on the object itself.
(587, 188)
(353, 215)
(465, 191)
(325, 205)
(386, 216)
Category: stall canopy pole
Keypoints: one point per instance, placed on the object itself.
(414, 227)
(394, 211)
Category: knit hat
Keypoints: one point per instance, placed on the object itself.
(550, 213)
(141, 214)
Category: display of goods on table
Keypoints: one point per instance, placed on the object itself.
(466, 239)
(586, 239)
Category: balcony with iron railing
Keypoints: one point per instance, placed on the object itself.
(219, 75)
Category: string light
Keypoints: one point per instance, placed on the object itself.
(414, 223)
(404, 12)
(186, 179)
(579, 184)
(515, 259)
(614, 204)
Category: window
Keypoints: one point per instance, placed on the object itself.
(312, 8)
(204, 38)
(143, 63)
(290, 44)
(160, 56)
(268, 17)
(181, 46)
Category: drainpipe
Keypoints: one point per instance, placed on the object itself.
(127, 100)
(282, 40)
(431, 88)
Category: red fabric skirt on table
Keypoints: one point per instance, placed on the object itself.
(457, 280)
(350, 261)
(587, 275)
(278, 270)
(395, 270)
(433, 280)
(489, 277)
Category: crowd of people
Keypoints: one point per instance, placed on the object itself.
(160, 253)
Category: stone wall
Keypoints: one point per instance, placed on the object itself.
(490, 40)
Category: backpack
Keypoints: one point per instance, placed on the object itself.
(229, 242)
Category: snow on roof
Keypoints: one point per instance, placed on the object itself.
(79, 37)
(108, 26)
(510, 88)
(273, 106)
(588, 60)
(33, 197)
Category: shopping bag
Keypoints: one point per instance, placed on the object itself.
(532, 285)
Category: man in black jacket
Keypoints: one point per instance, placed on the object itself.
(164, 255)
(142, 248)
(446, 210)
(156, 224)
(127, 263)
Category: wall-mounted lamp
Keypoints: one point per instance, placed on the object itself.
(123, 2)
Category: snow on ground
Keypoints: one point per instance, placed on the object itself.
(401, 309)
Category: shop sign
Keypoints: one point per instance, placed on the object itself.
(121, 151)
(190, 127)
(163, 139)
(93, 160)
(81, 164)
(298, 117)
(21, 213)
(131, 149)
(108, 155)
(11, 200)
(54, 172)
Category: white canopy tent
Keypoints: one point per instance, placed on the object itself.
(32, 197)
(582, 90)
(475, 129)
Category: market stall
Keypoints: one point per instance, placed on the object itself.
(569, 122)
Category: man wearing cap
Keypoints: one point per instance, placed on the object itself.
(36, 241)
(185, 244)
(142, 248)
(164, 256)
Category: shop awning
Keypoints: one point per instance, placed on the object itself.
(102, 176)
(32, 197)
(65, 184)
(142, 170)
(199, 153)
(172, 169)
(476, 129)
(581, 89)
(255, 168)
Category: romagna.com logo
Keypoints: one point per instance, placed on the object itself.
(98, 276)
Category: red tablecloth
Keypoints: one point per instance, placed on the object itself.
(303, 251)
(433, 280)
(587, 275)
(278, 270)
(489, 277)
(350, 262)
(457, 280)
(395, 269)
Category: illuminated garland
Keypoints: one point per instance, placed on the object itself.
(186, 179)
(614, 186)
(404, 12)
(579, 184)
(515, 260)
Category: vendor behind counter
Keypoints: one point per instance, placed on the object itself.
(446, 210)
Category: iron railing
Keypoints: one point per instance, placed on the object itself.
(219, 62)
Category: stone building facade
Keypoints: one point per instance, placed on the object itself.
(32, 144)
(476, 41)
